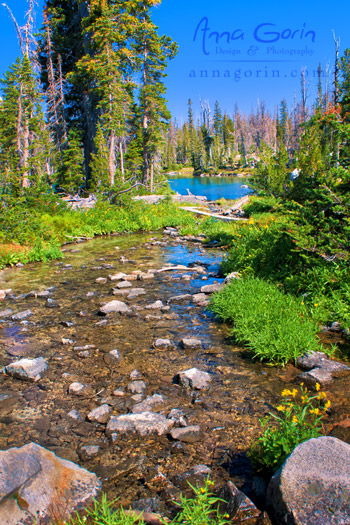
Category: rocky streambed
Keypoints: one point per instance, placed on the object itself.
(125, 372)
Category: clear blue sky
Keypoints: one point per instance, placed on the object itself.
(233, 52)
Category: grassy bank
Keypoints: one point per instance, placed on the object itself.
(35, 231)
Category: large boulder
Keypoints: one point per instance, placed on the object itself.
(38, 486)
(313, 485)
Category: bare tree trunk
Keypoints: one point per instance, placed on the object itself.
(151, 176)
(111, 159)
(121, 153)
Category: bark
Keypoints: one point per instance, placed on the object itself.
(121, 154)
(111, 159)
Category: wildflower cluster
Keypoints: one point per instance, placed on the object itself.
(299, 418)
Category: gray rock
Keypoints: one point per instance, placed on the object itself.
(240, 507)
(99, 414)
(124, 284)
(231, 276)
(191, 343)
(66, 341)
(22, 315)
(163, 344)
(101, 280)
(313, 485)
(193, 378)
(180, 298)
(155, 306)
(89, 451)
(74, 414)
(4, 293)
(114, 355)
(41, 481)
(135, 374)
(78, 389)
(51, 303)
(189, 434)
(146, 505)
(5, 314)
(143, 424)
(137, 387)
(28, 369)
(136, 292)
(211, 288)
(200, 298)
(117, 277)
(148, 404)
(114, 306)
(312, 360)
(317, 375)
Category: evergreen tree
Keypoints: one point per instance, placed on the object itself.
(70, 176)
(25, 149)
(152, 53)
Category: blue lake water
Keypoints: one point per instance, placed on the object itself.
(213, 188)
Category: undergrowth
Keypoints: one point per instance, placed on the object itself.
(273, 325)
(199, 510)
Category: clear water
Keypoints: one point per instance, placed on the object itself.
(213, 188)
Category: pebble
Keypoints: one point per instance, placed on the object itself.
(99, 414)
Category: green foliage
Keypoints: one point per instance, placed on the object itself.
(195, 511)
(200, 509)
(273, 325)
(299, 418)
(38, 233)
(70, 176)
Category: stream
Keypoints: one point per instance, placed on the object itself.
(66, 330)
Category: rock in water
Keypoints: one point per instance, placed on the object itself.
(113, 306)
(28, 369)
(143, 424)
(313, 485)
(36, 485)
(193, 378)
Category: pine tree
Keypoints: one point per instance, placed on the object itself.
(70, 176)
(25, 149)
(152, 52)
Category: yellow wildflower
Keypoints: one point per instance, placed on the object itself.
(286, 392)
(327, 405)
(295, 391)
(304, 399)
(281, 408)
(315, 411)
(321, 395)
(317, 386)
(295, 419)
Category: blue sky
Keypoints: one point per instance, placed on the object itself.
(233, 52)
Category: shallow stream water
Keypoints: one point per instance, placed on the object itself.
(133, 467)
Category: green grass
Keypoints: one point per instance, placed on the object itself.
(35, 233)
(199, 510)
(273, 325)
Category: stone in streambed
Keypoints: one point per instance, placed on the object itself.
(191, 343)
(88, 452)
(189, 434)
(5, 314)
(211, 288)
(99, 414)
(317, 375)
(22, 315)
(78, 389)
(313, 485)
(114, 306)
(163, 344)
(40, 481)
(117, 277)
(27, 369)
(148, 404)
(193, 378)
(137, 387)
(143, 424)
